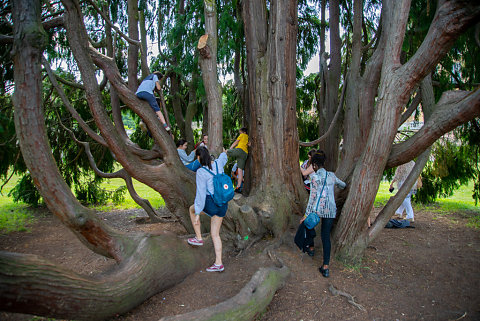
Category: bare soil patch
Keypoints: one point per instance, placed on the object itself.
(430, 272)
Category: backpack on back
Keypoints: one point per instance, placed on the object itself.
(222, 187)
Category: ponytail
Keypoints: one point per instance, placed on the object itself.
(205, 158)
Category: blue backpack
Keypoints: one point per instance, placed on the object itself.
(222, 187)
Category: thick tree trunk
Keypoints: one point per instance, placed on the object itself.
(147, 264)
(396, 85)
(331, 143)
(32, 285)
(277, 190)
(208, 65)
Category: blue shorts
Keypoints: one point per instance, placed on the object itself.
(212, 209)
(150, 98)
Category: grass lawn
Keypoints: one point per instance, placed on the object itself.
(143, 190)
(18, 216)
(13, 216)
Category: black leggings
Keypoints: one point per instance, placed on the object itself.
(327, 224)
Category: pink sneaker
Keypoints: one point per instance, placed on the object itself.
(215, 268)
(195, 241)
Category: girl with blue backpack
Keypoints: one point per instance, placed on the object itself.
(212, 196)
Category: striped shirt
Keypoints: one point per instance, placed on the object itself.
(322, 199)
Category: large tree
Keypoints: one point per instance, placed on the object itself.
(378, 86)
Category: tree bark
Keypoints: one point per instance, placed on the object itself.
(273, 153)
(29, 284)
(396, 84)
(132, 9)
(455, 108)
(143, 39)
(171, 178)
(208, 65)
(331, 143)
(248, 304)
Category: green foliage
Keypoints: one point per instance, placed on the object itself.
(92, 193)
(6, 61)
(25, 191)
(306, 110)
(309, 25)
(455, 163)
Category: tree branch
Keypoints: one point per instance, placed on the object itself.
(53, 79)
(394, 202)
(451, 18)
(152, 267)
(332, 124)
(52, 23)
(36, 151)
(111, 24)
(247, 304)
(411, 108)
(453, 109)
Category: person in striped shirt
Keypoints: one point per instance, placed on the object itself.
(322, 203)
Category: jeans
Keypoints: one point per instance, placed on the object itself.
(194, 166)
(327, 224)
(150, 98)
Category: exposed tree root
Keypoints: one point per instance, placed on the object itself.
(160, 219)
(349, 297)
(248, 303)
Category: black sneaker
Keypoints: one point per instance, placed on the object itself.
(325, 272)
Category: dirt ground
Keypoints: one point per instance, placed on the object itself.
(431, 272)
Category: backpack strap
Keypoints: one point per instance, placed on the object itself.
(321, 192)
(216, 166)
(209, 170)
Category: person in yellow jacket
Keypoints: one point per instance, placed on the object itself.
(239, 151)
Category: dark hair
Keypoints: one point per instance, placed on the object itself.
(318, 159)
(180, 142)
(205, 158)
(244, 129)
(310, 153)
(158, 74)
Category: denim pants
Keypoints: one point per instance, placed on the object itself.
(193, 166)
(327, 224)
(152, 101)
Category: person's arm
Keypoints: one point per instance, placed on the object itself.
(341, 184)
(183, 156)
(235, 143)
(308, 171)
(222, 159)
(393, 181)
(191, 157)
(201, 193)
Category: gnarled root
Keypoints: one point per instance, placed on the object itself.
(349, 297)
(248, 303)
